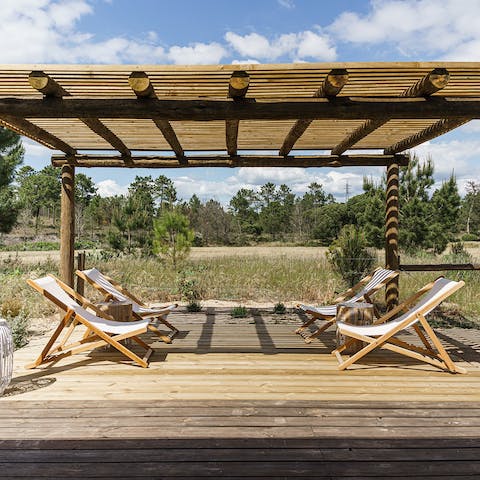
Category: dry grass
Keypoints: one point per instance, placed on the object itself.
(283, 274)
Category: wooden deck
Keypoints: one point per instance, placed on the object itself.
(245, 400)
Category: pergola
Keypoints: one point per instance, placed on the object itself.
(230, 111)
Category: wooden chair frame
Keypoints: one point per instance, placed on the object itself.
(58, 348)
(435, 355)
(159, 315)
(330, 319)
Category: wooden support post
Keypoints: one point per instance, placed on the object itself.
(81, 266)
(391, 233)
(67, 227)
(237, 89)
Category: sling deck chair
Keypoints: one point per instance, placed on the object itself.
(382, 333)
(112, 290)
(101, 329)
(362, 291)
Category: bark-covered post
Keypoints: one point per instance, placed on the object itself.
(67, 227)
(391, 233)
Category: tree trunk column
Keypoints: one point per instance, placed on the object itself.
(67, 225)
(391, 233)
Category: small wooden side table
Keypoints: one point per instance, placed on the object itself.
(120, 311)
(358, 313)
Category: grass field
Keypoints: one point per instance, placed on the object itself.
(266, 275)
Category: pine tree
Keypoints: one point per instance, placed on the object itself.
(445, 205)
(11, 156)
(415, 209)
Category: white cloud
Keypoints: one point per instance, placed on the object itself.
(245, 62)
(288, 4)
(198, 53)
(110, 188)
(455, 155)
(307, 44)
(34, 149)
(444, 29)
(37, 31)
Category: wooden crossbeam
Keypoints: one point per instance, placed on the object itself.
(142, 86)
(432, 131)
(169, 134)
(24, 127)
(238, 84)
(103, 131)
(342, 108)
(156, 161)
(237, 89)
(45, 84)
(440, 267)
(50, 88)
(331, 87)
(431, 83)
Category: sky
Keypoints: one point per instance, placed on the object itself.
(253, 31)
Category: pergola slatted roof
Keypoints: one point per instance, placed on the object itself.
(239, 115)
(188, 109)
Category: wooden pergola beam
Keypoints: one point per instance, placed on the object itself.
(238, 84)
(431, 83)
(50, 88)
(45, 84)
(331, 87)
(237, 89)
(103, 131)
(342, 108)
(433, 131)
(24, 127)
(142, 86)
(157, 161)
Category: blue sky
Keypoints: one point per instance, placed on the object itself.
(265, 31)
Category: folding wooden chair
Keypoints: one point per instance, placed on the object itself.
(101, 329)
(112, 290)
(362, 291)
(382, 334)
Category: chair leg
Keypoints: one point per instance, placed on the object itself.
(316, 333)
(440, 348)
(300, 329)
(165, 338)
(46, 350)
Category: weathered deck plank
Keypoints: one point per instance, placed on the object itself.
(243, 401)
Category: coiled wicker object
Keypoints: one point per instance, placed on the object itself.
(6, 355)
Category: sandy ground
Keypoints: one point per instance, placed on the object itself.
(196, 253)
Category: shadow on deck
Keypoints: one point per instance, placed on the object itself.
(243, 399)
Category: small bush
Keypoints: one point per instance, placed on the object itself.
(239, 312)
(349, 255)
(11, 307)
(469, 237)
(458, 254)
(19, 327)
(194, 306)
(279, 308)
(188, 286)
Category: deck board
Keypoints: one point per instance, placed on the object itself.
(242, 400)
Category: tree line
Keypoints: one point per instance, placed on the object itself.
(429, 217)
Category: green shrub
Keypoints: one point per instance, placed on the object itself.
(239, 312)
(19, 327)
(349, 255)
(188, 286)
(470, 237)
(194, 306)
(279, 308)
(457, 254)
